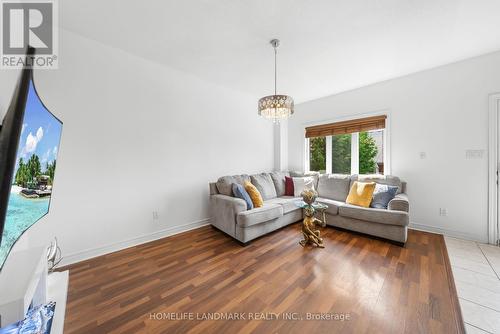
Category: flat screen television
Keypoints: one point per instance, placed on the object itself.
(29, 143)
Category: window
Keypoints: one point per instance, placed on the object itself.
(350, 147)
(341, 154)
(317, 157)
(371, 152)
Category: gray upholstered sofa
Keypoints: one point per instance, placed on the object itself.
(229, 214)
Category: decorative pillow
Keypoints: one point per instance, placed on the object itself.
(288, 186)
(254, 195)
(314, 174)
(302, 183)
(240, 192)
(361, 193)
(382, 195)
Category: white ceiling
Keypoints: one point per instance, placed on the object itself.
(327, 46)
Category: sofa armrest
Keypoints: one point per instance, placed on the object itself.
(224, 210)
(399, 203)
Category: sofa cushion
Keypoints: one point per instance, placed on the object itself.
(381, 216)
(334, 186)
(260, 215)
(389, 180)
(225, 183)
(279, 182)
(287, 202)
(333, 205)
(254, 194)
(382, 195)
(240, 192)
(264, 184)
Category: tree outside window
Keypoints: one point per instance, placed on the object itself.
(317, 153)
(341, 154)
(367, 153)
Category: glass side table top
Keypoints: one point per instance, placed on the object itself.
(315, 205)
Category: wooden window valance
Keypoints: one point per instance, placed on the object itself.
(355, 125)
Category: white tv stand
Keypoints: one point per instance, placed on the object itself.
(24, 280)
(57, 291)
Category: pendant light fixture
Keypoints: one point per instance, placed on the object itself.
(276, 107)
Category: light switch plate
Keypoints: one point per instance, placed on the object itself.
(474, 154)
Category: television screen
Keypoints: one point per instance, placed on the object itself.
(33, 171)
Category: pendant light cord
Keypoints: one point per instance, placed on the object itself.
(275, 70)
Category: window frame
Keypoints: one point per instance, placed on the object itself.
(354, 143)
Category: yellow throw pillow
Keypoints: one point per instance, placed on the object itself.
(254, 195)
(361, 194)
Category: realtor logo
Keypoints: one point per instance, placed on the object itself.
(32, 23)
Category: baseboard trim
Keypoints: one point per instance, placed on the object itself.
(446, 232)
(103, 250)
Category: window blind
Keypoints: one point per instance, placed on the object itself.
(355, 125)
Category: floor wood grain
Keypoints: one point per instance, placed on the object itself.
(376, 286)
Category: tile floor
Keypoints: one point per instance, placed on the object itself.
(476, 269)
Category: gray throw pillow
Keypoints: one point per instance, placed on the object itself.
(382, 195)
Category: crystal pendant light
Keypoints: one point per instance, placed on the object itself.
(276, 107)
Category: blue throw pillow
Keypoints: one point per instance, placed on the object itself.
(383, 195)
(240, 192)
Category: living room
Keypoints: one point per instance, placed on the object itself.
(255, 166)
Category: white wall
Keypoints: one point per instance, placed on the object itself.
(137, 137)
(442, 112)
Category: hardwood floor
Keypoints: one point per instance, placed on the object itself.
(380, 287)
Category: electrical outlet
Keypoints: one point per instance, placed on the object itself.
(423, 155)
(155, 215)
(443, 212)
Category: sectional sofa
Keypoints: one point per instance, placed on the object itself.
(230, 214)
